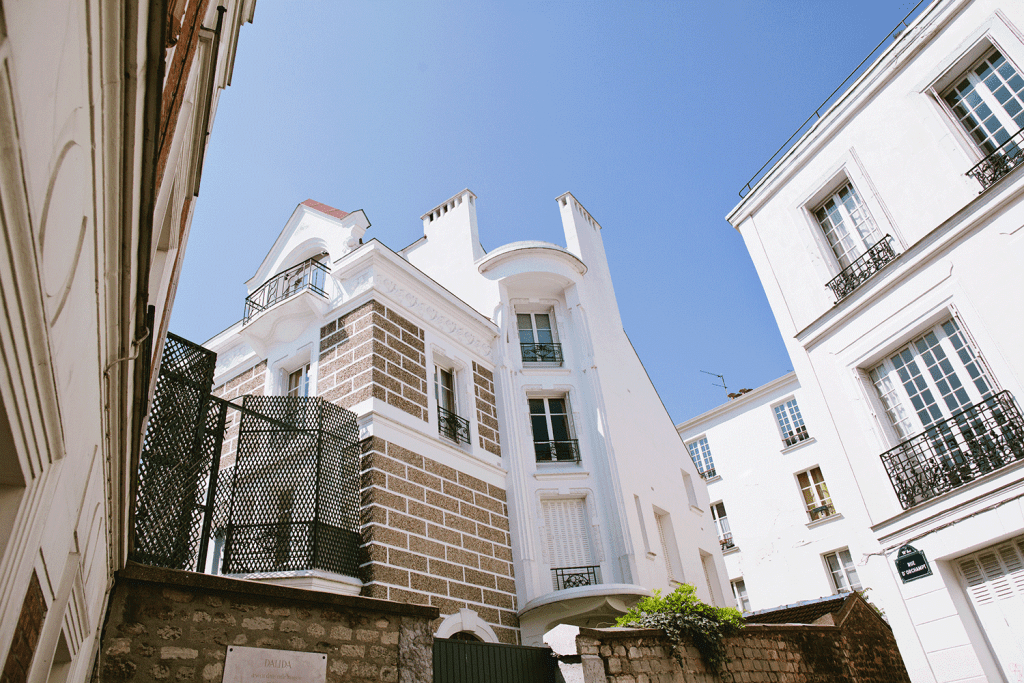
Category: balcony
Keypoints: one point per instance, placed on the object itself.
(861, 270)
(574, 577)
(1004, 159)
(557, 451)
(949, 454)
(709, 473)
(310, 275)
(452, 426)
(821, 512)
(725, 540)
(795, 437)
(542, 353)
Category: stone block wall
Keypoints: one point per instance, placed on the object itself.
(486, 409)
(167, 625)
(253, 381)
(436, 536)
(373, 351)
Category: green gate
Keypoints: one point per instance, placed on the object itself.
(464, 661)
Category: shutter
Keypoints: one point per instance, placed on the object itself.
(993, 579)
(567, 535)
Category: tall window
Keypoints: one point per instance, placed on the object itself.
(844, 573)
(989, 101)
(847, 225)
(449, 423)
(666, 534)
(700, 453)
(537, 338)
(930, 379)
(722, 526)
(568, 542)
(444, 388)
(791, 423)
(739, 591)
(815, 493)
(552, 434)
(298, 382)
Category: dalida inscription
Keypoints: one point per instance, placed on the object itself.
(257, 664)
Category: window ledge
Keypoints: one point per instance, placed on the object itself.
(545, 369)
(651, 555)
(698, 510)
(711, 480)
(797, 446)
(730, 551)
(825, 520)
(561, 474)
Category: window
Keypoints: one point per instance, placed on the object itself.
(537, 338)
(739, 591)
(815, 492)
(298, 382)
(552, 433)
(989, 102)
(449, 424)
(568, 543)
(847, 225)
(722, 526)
(930, 379)
(691, 493)
(844, 574)
(791, 423)
(700, 453)
(669, 549)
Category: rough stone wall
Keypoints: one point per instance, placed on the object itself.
(176, 626)
(436, 536)
(253, 381)
(486, 408)
(26, 635)
(373, 351)
(872, 651)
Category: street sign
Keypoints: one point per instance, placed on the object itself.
(911, 564)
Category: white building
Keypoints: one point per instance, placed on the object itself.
(519, 469)
(888, 240)
(104, 114)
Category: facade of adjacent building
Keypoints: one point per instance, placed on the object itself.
(104, 114)
(889, 240)
(518, 470)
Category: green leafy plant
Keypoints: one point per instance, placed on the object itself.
(684, 618)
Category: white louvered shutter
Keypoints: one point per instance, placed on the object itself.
(568, 536)
(665, 548)
(994, 581)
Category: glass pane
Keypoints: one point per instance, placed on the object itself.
(536, 406)
(523, 321)
(540, 428)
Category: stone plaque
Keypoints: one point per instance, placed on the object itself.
(261, 665)
(912, 564)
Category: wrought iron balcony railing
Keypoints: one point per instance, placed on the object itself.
(574, 577)
(861, 270)
(725, 540)
(452, 426)
(821, 512)
(949, 454)
(795, 437)
(557, 451)
(1007, 157)
(542, 353)
(709, 473)
(311, 274)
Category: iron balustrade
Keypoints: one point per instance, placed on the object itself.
(709, 473)
(542, 353)
(861, 270)
(452, 426)
(557, 451)
(574, 577)
(308, 275)
(821, 512)
(1004, 159)
(983, 438)
(725, 540)
(795, 437)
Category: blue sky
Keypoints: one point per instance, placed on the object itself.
(653, 114)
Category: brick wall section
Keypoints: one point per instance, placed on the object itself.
(373, 351)
(436, 536)
(486, 408)
(26, 634)
(174, 626)
(253, 381)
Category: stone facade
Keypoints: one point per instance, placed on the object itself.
(254, 382)
(373, 352)
(436, 536)
(486, 408)
(176, 626)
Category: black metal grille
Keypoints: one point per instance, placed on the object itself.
(542, 353)
(573, 577)
(295, 502)
(1007, 157)
(465, 661)
(557, 451)
(861, 270)
(176, 465)
(310, 274)
(725, 540)
(795, 437)
(821, 512)
(452, 426)
(709, 473)
(952, 453)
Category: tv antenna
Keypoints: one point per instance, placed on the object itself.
(721, 377)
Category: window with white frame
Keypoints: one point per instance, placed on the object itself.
(791, 423)
(988, 100)
(739, 591)
(538, 340)
(815, 493)
(567, 536)
(847, 225)
(722, 525)
(552, 430)
(930, 379)
(842, 571)
(700, 453)
(298, 382)
(449, 423)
